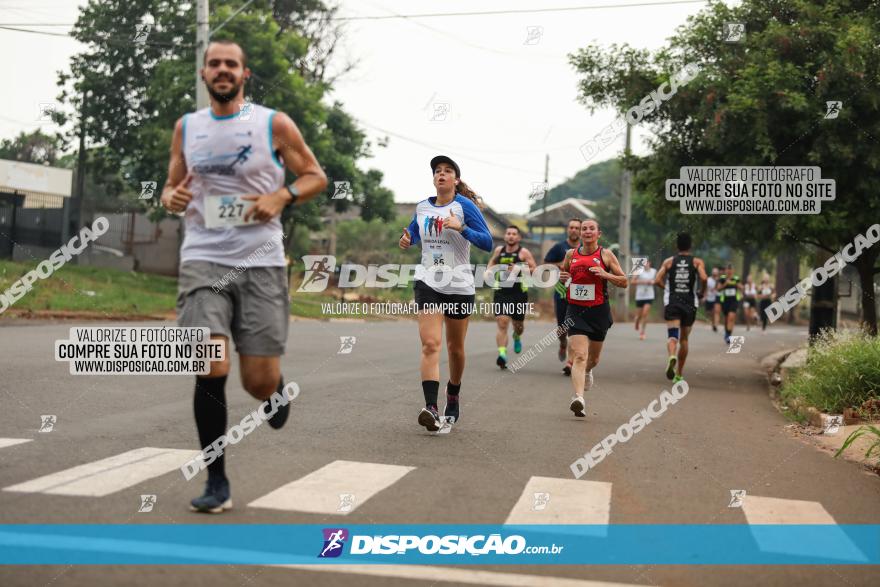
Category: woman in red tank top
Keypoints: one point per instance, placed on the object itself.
(586, 271)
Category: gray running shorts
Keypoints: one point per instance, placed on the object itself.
(250, 306)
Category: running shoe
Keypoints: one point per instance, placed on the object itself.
(677, 378)
(561, 354)
(714, 328)
(430, 419)
(280, 417)
(451, 411)
(588, 380)
(642, 336)
(216, 499)
(567, 369)
(670, 367)
(577, 406)
(517, 344)
(501, 361)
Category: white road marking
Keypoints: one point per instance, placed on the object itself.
(548, 500)
(772, 510)
(4, 442)
(106, 476)
(455, 575)
(322, 491)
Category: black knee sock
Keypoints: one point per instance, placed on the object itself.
(209, 405)
(452, 389)
(431, 389)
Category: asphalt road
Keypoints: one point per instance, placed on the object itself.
(360, 408)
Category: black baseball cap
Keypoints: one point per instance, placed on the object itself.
(444, 159)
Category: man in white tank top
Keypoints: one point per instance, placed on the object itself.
(226, 175)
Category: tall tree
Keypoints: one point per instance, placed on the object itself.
(762, 101)
(34, 147)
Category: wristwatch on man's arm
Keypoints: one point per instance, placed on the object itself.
(294, 195)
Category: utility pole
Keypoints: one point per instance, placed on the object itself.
(202, 37)
(546, 187)
(624, 226)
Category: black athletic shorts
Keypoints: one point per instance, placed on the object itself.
(590, 321)
(729, 305)
(640, 303)
(511, 301)
(456, 306)
(750, 301)
(710, 306)
(683, 312)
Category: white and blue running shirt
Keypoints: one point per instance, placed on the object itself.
(446, 253)
(231, 155)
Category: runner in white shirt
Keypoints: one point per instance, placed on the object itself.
(644, 283)
(226, 173)
(713, 306)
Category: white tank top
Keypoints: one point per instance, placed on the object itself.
(227, 156)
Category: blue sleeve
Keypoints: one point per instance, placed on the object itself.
(413, 229)
(555, 255)
(475, 229)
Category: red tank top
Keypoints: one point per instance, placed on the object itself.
(586, 289)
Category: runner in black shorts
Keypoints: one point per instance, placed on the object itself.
(585, 270)
(511, 295)
(556, 256)
(765, 298)
(446, 225)
(729, 294)
(678, 278)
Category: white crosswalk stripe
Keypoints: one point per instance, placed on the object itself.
(4, 442)
(548, 500)
(773, 510)
(109, 475)
(337, 488)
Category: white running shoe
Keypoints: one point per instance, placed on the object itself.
(577, 406)
(588, 380)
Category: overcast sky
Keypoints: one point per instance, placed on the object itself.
(509, 95)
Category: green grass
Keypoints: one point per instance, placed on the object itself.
(842, 371)
(70, 288)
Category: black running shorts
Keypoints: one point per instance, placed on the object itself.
(685, 313)
(455, 306)
(729, 305)
(510, 301)
(590, 321)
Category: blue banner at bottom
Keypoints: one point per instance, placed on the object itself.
(265, 544)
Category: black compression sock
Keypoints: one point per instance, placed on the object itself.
(452, 389)
(209, 404)
(431, 389)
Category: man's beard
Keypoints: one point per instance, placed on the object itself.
(224, 96)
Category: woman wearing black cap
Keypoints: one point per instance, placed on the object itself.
(446, 225)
